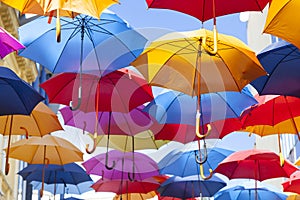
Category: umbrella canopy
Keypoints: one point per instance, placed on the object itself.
(178, 61)
(63, 188)
(8, 43)
(178, 108)
(125, 186)
(127, 165)
(119, 91)
(282, 20)
(70, 173)
(292, 183)
(135, 196)
(106, 44)
(254, 164)
(16, 96)
(45, 150)
(280, 60)
(242, 193)
(205, 10)
(184, 164)
(108, 123)
(190, 187)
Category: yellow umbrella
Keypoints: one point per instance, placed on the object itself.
(282, 20)
(135, 196)
(45, 150)
(293, 197)
(41, 121)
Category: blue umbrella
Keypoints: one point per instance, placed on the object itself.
(105, 45)
(281, 60)
(179, 108)
(190, 186)
(16, 96)
(242, 193)
(184, 163)
(69, 173)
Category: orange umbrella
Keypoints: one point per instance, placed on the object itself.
(41, 121)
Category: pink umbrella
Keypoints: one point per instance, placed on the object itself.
(8, 43)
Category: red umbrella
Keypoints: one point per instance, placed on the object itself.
(125, 186)
(255, 164)
(293, 183)
(119, 91)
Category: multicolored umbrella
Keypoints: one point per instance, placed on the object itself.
(8, 43)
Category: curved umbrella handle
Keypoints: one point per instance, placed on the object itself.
(202, 173)
(199, 135)
(131, 178)
(207, 48)
(94, 146)
(106, 163)
(202, 161)
(79, 101)
(26, 132)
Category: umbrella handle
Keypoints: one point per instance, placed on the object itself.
(26, 132)
(131, 178)
(199, 135)
(58, 26)
(198, 160)
(79, 101)
(94, 146)
(7, 166)
(206, 47)
(202, 173)
(106, 163)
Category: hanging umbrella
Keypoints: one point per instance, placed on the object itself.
(126, 165)
(40, 122)
(172, 198)
(8, 43)
(280, 60)
(243, 193)
(190, 187)
(183, 164)
(119, 91)
(205, 10)
(179, 108)
(16, 96)
(281, 20)
(45, 150)
(292, 183)
(254, 164)
(135, 196)
(125, 186)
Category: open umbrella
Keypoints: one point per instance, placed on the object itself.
(282, 20)
(135, 196)
(292, 183)
(190, 187)
(126, 165)
(45, 150)
(280, 60)
(40, 122)
(243, 193)
(118, 91)
(180, 163)
(8, 43)
(254, 164)
(16, 96)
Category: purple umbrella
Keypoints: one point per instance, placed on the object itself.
(128, 166)
(8, 43)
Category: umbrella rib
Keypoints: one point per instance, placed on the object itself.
(226, 102)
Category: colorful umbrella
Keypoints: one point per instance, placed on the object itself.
(125, 186)
(242, 193)
(292, 183)
(190, 187)
(16, 96)
(183, 164)
(254, 164)
(282, 20)
(40, 122)
(118, 91)
(132, 166)
(280, 60)
(205, 10)
(135, 196)
(8, 43)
